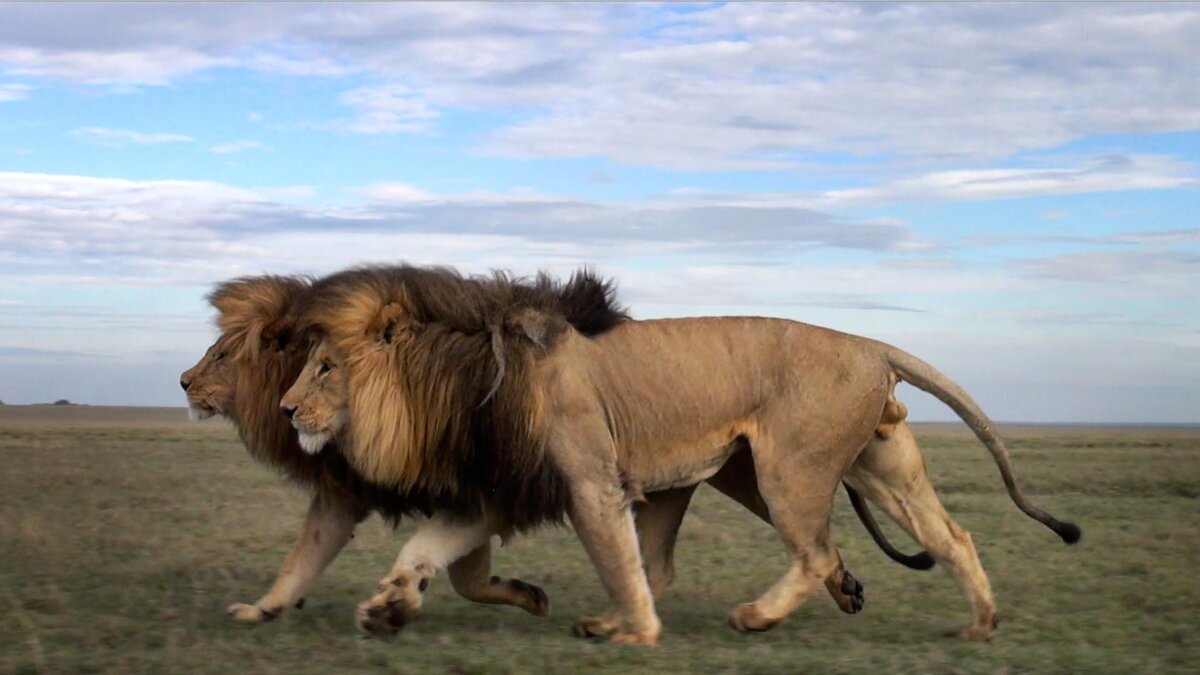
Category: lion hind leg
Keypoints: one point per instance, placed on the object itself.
(812, 558)
(800, 514)
(892, 474)
(471, 578)
(738, 480)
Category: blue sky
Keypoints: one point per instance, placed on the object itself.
(1008, 191)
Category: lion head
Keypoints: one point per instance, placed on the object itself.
(211, 384)
(243, 373)
(317, 402)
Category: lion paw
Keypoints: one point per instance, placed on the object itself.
(383, 619)
(748, 618)
(852, 592)
(250, 613)
(396, 603)
(595, 626)
(982, 631)
(533, 599)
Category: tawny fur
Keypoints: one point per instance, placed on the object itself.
(494, 402)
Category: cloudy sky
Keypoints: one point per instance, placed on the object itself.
(1009, 191)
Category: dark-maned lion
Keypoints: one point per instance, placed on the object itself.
(242, 376)
(522, 419)
(462, 306)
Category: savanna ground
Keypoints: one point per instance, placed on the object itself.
(125, 532)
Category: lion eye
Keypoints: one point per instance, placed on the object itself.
(324, 368)
(219, 357)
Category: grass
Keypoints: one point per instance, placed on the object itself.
(125, 533)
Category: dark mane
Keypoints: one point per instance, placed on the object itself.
(439, 367)
(440, 295)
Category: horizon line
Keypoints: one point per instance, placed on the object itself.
(1061, 423)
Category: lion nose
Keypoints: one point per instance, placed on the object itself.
(289, 412)
(183, 382)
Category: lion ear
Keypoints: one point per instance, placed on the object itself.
(389, 322)
(540, 328)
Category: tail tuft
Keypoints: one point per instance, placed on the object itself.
(1069, 532)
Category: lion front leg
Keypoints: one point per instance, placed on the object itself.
(604, 523)
(399, 596)
(328, 525)
(657, 521)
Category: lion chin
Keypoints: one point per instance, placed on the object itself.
(198, 414)
(313, 443)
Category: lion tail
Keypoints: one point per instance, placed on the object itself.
(927, 378)
(919, 561)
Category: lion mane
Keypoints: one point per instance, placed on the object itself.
(257, 320)
(439, 395)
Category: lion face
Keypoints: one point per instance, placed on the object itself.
(210, 384)
(317, 403)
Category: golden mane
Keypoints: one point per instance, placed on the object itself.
(258, 317)
(253, 311)
(437, 372)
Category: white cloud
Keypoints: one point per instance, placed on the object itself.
(389, 109)
(1125, 272)
(235, 146)
(79, 226)
(14, 92)
(748, 85)
(755, 287)
(305, 63)
(157, 65)
(740, 85)
(1156, 237)
(398, 193)
(676, 255)
(1111, 173)
(119, 137)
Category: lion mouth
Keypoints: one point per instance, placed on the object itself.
(313, 442)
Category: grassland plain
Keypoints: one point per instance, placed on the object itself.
(125, 532)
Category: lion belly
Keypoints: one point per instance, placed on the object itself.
(692, 464)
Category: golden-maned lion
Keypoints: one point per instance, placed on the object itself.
(463, 306)
(522, 418)
(242, 376)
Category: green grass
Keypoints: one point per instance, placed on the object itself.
(125, 533)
